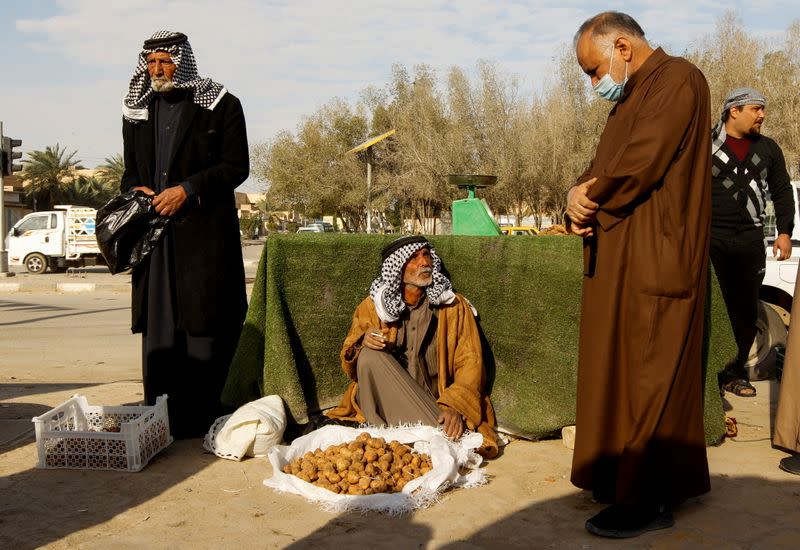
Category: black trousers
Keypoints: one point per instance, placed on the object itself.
(740, 265)
(190, 369)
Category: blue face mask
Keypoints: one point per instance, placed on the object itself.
(606, 87)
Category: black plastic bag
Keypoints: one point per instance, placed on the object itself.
(127, 229)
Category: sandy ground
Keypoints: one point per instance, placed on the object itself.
(54, 346)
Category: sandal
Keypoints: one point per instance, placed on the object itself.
(740, 387)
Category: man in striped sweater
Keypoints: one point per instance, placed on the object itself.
(746, 165)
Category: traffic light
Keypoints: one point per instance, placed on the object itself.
(9, 156)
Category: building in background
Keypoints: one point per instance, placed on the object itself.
(13, 201)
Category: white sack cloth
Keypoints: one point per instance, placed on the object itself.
(449, 459)
(252, 430)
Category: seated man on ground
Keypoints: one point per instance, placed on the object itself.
(413, 352)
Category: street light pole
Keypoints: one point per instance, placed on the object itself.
(367, 148)
(369, 190)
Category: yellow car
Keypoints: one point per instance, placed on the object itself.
(520, 230)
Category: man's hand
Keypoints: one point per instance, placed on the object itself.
(375, 338)
(580, 208)
(452, 423)
(581, 230)
(170, 200)
(783, 244)
(145, 190)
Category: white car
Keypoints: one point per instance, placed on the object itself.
(310, 229)
(324, 227)
(779, 277)
(776, 295)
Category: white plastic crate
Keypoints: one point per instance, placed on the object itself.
(78, 435)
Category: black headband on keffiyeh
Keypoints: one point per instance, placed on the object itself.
(385, 290)
(736, 98)
(205, 92)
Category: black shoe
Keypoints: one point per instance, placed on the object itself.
(621, 521)
(735, 384)
(790, 464)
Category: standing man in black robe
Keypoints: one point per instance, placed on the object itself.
(185, 144)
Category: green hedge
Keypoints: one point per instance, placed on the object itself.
(527, 293)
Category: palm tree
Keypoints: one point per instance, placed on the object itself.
(87, 191)
(110, 172)
(46, 173)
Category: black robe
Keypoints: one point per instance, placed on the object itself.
(189, 297)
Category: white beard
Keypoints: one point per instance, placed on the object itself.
(162, 85)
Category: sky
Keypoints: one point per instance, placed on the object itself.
(66, 64)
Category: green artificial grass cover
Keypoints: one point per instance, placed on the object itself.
(527, 293)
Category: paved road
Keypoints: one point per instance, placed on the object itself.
(98, 278)
(66, 333)
(54, 345)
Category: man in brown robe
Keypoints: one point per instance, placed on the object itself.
(413, 352)
(643, 207)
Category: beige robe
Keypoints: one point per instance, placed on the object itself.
(640, 381)
(787, 417)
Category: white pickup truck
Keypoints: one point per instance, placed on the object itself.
(55, 239)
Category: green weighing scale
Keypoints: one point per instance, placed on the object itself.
(472, 216)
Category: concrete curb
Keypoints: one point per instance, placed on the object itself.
(9, 287)
(91, 283)
(64, 288)
(75, 287)
(111, 287)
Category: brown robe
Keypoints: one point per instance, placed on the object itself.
(787, 417)
(640, 382)
(461, 374)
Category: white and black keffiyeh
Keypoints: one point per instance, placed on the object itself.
(205, 92)
(736, 98)
(385, 290)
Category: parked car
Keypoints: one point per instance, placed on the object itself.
(519, 230)
(779, 277)
(310, 229)
(55, 239)
(324, 226)
(776, 295)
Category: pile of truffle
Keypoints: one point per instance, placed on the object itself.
(362, 467)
